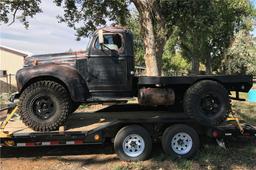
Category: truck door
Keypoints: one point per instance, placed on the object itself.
(108, 66)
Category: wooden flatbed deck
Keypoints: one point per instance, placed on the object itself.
(93, 118)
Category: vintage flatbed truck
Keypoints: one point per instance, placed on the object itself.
(51, 89)
(131, 127)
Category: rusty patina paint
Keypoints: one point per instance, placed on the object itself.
(65, 58)
(156, 96)
(64, 73)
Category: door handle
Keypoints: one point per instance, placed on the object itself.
(121, 59)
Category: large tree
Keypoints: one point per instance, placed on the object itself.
(157, 19)
(207, 30)
(85, 15)
(155, 27)
(241, 56)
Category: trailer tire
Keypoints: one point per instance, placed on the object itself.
(133, 143)
(44, 105)
(180, 141)
(207, 102)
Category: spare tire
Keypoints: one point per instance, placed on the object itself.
(207, 102)
(44, 105)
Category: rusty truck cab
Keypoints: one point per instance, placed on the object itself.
(109, 68)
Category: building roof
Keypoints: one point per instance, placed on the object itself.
(15, 51)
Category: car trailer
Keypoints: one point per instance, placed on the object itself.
(132, 129)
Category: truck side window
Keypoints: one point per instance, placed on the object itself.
(112, 41)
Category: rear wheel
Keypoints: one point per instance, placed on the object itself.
(180, 141)
(207, 102)
(44, 105)
(133, 143)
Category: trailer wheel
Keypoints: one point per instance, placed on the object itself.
(180, 141)
(44, 105)
(133, 143)
(207, 102)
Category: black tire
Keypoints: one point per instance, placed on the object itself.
(207, 102)
(190, 148)
(124, 134)
(73, 107)
(44, 105)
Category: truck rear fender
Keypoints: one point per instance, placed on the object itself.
(65, 75)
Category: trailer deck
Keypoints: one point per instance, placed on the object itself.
(95, 127)
(86, 121)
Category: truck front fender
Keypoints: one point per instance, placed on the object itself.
(63, 74)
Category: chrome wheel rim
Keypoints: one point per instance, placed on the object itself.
(133, 145)
(181, 143)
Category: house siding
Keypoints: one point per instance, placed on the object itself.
(11, 62)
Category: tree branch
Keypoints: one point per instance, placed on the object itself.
(14, 15)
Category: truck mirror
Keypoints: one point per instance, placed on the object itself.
(101, 38)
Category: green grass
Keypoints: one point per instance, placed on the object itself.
(184, 164)
(245, 110)
(130, 166)
(83, 106)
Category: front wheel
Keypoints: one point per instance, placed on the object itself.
(73, 107)
(133, 143)
(44, 105)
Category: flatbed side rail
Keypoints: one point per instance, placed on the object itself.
(94, 136)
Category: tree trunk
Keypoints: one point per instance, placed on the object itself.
(195, 65)
(153, 63)
(159, 53)
(208, 64)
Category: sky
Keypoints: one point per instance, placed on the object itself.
(45, 34)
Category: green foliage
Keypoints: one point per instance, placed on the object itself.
(173, 61)
(241, 56)
(134, 26)
(203, 30)
(85, 16)
(10, 8)
(208, 27)
(175, 65)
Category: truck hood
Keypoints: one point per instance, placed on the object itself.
(58, 58)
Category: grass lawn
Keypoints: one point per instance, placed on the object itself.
(239, 155)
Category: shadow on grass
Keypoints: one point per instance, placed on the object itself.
(241, 154)
(56, 151)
